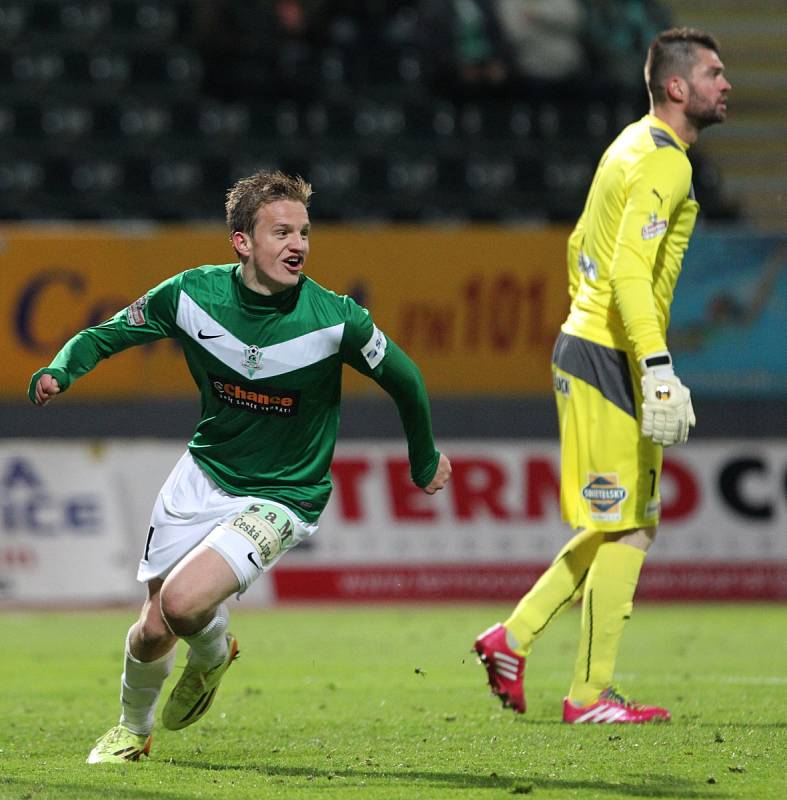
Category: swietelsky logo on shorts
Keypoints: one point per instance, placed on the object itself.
(605, 496)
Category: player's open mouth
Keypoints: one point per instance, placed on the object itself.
(294, 262)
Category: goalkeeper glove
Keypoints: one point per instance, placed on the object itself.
(667, 413)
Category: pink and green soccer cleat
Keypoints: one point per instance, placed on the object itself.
(611, 706)
(505, 669)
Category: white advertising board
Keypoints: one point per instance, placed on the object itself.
(75, 516)
(63, 537)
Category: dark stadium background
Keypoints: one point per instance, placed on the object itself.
(129, 112)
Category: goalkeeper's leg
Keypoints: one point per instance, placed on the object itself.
(502, 648)
(558, 588)
(606, 607)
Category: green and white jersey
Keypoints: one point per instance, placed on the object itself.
(269, 373)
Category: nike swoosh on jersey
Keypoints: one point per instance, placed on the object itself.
(201, 335)
(278, 359)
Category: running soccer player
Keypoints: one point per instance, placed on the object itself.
(265, 346)
(619, 400)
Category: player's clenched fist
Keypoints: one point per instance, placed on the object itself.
(441, 476)
(46, 388)
(667, 413)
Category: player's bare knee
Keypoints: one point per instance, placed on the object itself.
(150, 638)
(641, 538)
(179, 610)
(154, 635)
(151, 624)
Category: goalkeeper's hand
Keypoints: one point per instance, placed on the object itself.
(667, 413)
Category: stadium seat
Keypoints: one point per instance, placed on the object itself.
(338, 174)
(412, 176)
(567, 176)
(441, 118)
(88, 83)
(8, 122)
(35, 71)
(168, 72)
(21, 176)
(549, 121)
(379, 119)
(216, 124)
(82, 22)
(145, 121)
(151, 20)
(70, 122)
(490, 175)
(471, 120)
(14, 18)
(335, 69)
(451, 175)
(108, 73)
(327, 119)
(520, 121)
(96, 175)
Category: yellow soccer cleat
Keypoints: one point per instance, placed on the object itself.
(119, 745)
(194, 692)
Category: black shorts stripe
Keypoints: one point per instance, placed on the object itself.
(147, 543)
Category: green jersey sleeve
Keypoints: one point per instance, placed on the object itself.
(367, 349)
(150, 317)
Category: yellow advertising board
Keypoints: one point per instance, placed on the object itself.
(478, 308)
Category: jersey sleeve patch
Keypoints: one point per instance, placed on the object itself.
(374, 350)
(135, 313)
(655, 227)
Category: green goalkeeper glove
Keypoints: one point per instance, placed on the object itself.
(667, 413)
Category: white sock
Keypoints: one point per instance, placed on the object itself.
(140, 687)
(208, 647)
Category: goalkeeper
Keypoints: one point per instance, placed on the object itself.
(618, 397)
(265, 346)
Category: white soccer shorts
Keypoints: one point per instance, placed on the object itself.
(191, 509)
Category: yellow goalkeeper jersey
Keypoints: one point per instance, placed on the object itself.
(625, 253)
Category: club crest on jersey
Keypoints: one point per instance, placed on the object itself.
(655, 227)
(252, 359)
(604, 495)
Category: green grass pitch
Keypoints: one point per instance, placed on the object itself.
(389, 703)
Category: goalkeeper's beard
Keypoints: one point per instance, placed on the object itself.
(702, 114)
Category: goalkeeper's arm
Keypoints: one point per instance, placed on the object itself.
(667, 413)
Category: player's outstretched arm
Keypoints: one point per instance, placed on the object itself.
(149, 318)
(46, 388)
(441, 476)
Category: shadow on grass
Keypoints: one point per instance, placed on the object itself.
(78, 791)
(667, 786)
(651, 785)
(739, 725)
